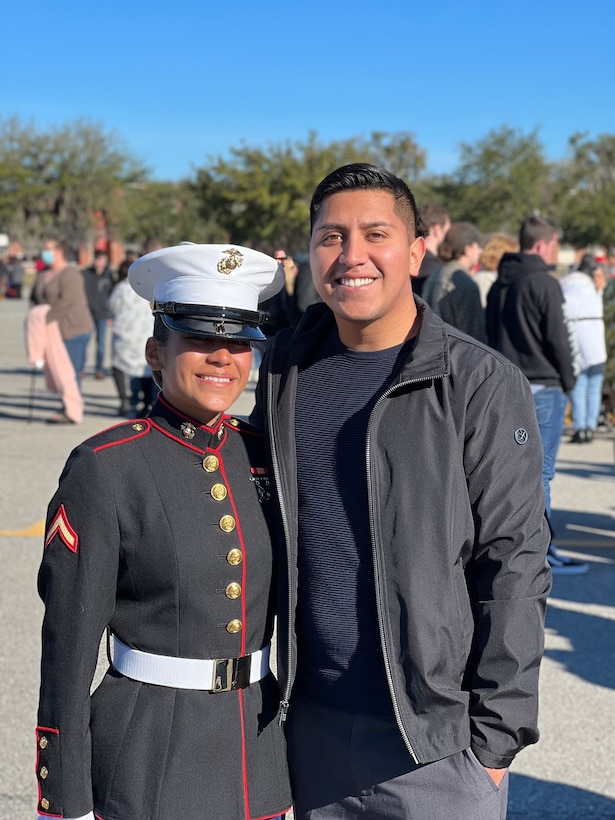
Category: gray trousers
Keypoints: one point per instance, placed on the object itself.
(346, 766)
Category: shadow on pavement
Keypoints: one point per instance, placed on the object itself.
(586, 469)
(573, 613)
(540, 799)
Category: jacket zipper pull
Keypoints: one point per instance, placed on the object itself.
(283, 711)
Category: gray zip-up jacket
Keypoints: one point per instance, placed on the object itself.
(459, 538)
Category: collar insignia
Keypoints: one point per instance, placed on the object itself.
(188, 430)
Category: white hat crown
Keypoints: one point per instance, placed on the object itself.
(226, 275)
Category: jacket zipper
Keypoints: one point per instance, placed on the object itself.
(284, 702)
(379, 607)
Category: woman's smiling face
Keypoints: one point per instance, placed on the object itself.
(201, 377)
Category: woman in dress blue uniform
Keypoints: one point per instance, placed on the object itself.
(160, 532)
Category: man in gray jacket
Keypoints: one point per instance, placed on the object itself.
(407, 460)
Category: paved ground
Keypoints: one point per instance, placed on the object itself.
(569, 774)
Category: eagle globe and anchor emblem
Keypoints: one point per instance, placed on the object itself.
(232, 260)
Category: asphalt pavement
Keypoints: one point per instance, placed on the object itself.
(569, 774)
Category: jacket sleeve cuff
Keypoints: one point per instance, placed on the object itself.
(490, 760)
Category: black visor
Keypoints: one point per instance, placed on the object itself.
(212, 321)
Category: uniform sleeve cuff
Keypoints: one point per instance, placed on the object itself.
(88, 816)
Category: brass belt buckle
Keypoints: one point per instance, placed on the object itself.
(223, 675)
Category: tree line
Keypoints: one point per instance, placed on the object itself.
(61, 181)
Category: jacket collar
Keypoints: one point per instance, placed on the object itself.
(428, 359)
(187, 431)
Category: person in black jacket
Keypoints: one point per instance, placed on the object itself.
(98, 282)
(407, 461)
(527, 323)
(160, 533)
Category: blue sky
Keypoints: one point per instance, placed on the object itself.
(182, 83)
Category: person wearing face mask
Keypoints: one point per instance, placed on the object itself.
(61, 287)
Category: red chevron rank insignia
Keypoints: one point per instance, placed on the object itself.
(61, 526)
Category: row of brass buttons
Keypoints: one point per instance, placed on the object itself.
(227, 524)
(43, 771)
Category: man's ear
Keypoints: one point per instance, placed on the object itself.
(153, 354)
(417, 252)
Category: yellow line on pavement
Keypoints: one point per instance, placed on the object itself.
(35, 531)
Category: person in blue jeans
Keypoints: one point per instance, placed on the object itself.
(526, 321)
(61, 287)
(98, 283)
(583, 294)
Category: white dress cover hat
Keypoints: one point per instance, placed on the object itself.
(208, 290)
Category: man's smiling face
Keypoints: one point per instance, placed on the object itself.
(362, 258)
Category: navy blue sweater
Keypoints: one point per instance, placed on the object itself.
(340, 659)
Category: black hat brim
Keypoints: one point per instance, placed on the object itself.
(212, 322)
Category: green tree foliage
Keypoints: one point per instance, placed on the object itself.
(500, 180)
(54, 181)
(261, 196)
(587, 191)
(167, 210)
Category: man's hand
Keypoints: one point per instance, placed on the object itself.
(497, 775)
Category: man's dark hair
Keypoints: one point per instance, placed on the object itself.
(536, 229)
(98, 253)
(457, 239)
(432, 214)
(588, 264)
(362, 176)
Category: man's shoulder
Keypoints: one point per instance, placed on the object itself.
(467, 353)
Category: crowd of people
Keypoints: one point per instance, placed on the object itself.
(388, 500)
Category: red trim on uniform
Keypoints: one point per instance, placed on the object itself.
(61, 526)
(179, 440)
(241, 428)
(177, 412)
(137, 434)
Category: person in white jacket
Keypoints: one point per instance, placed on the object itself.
(583, 294)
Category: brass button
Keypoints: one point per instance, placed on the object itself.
(210, 464)
(138, 427)
(45, 803)
(227, 523)
(233, 626)
(233, 590)
(234, 422)
(234, 557)
(218, 492)
(43, 741)
(43, 773)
